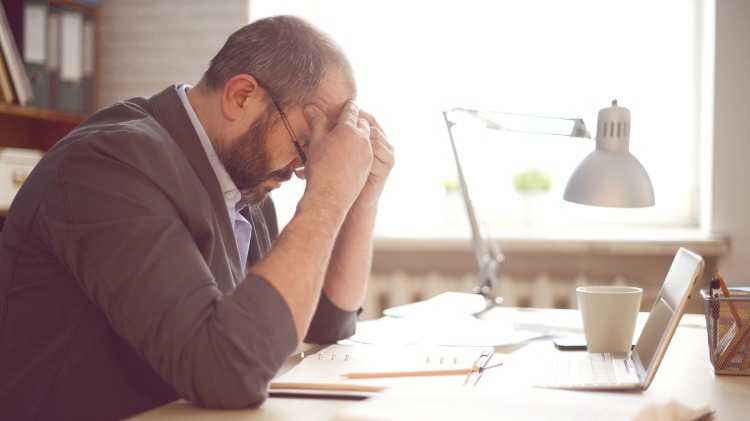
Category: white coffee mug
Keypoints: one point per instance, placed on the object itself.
(609, 315)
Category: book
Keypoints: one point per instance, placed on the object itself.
(15, 66)
(7, 95)
(361, 370)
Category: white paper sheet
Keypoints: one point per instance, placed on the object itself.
(514, 404)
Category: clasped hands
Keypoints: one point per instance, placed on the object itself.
(349, 159)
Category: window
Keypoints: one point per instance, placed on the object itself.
(415, 59)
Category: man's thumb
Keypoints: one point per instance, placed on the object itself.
(317, 121)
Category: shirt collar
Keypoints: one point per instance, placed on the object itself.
(228, 188)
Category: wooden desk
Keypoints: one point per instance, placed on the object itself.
(684, 375)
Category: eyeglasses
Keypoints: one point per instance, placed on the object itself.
(295, 142)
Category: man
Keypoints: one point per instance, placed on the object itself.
(135, 266)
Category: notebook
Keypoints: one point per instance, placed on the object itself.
(636, 369)
(360, 370)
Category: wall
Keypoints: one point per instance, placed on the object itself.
(731, 172)
(146, 45)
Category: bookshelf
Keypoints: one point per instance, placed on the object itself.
(40, 126)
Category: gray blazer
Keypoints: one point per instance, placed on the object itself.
(120, 281)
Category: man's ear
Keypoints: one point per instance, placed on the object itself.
(240, 92)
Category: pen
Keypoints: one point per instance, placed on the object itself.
(726, 293)
(477, 369)
(713, 292)
(714, 288)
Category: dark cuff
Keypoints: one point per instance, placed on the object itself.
(330, 323)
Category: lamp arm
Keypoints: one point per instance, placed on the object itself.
(578, 128)
(486, 264)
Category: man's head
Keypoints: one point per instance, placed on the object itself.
(269, 69)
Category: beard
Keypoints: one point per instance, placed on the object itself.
(247, 161)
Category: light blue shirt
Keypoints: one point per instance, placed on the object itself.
(242, 228)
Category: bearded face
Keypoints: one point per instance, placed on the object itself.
(247, 161)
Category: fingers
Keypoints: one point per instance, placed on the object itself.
(317, 120)
(350, 114)
(370, 120)
(378, 138)
(376, 131)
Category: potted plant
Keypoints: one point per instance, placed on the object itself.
(532, 180)
(532, 184)
(453, 207)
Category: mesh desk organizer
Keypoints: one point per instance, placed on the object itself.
(728, 329)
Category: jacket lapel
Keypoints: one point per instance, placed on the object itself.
(170, 113)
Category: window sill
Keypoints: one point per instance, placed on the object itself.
(590, 240)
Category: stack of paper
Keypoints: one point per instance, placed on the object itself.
(458, 331)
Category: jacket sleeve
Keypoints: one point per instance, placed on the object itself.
(330, 323)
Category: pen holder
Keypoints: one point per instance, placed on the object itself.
(728, 330)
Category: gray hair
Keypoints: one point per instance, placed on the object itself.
(286, 53)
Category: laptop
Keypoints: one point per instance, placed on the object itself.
(634, 370)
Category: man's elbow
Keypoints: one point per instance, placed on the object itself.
(231, 390)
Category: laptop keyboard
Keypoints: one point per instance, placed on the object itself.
(579, 369)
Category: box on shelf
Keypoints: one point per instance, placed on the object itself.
(15, 166)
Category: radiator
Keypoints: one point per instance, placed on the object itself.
(541, 291)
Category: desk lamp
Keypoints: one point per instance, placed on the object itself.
(609, 176)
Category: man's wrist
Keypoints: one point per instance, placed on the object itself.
(329, 212)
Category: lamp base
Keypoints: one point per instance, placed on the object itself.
(489, 303)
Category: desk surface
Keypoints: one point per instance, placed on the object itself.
(684, 375)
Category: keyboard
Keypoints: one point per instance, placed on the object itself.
(579, 370)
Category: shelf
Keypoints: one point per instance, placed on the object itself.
(85, 7)
(41, 114)
(34, 128)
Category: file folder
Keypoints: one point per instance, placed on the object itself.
(71, 61)
(34, 45)
(89, 60)
(53, 57)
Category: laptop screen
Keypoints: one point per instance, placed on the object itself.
(668, 308)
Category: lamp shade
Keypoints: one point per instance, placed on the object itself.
(611, 176)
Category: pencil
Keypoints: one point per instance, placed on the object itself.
(730, 351)
(745, 358)
(736, 344)
(725, 291)
(384, 374)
